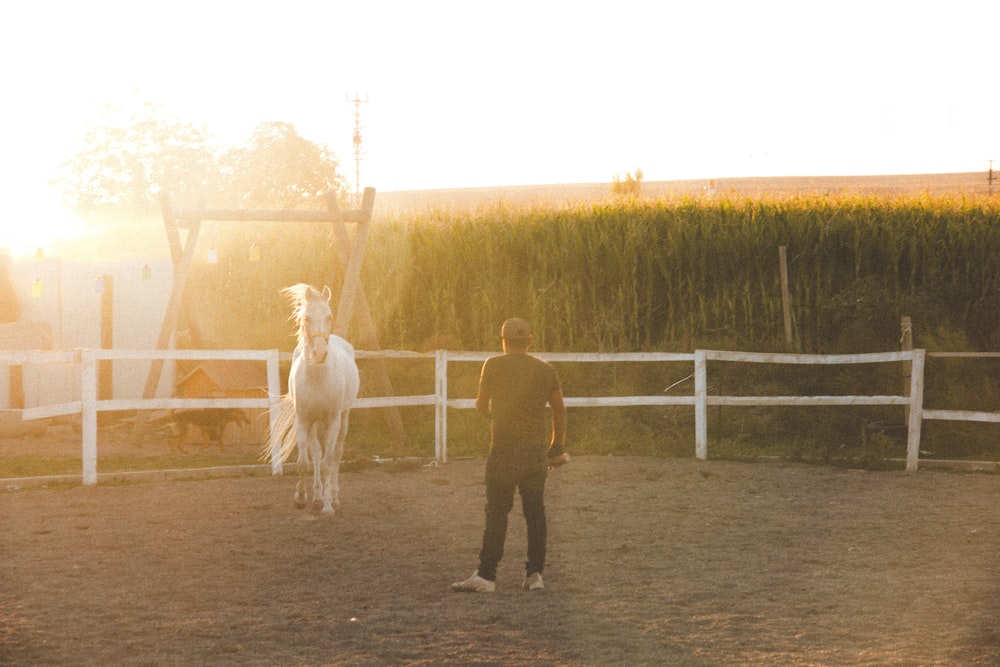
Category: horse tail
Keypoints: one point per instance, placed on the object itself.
(283, 430)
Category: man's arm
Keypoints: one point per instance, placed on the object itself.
(483, 394)
(558, 423)
(483, 401)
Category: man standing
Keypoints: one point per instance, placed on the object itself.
(514, 389)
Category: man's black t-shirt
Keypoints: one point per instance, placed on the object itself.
(519, 386)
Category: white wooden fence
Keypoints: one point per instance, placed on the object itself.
(89, 405)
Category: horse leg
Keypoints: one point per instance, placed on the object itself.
(302, 442)
(340, 436)
(316, 447)
(332, 451)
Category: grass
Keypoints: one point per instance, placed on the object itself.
(26, 465)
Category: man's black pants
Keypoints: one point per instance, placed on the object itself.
(501, 483)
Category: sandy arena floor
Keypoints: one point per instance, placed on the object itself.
(651, 562)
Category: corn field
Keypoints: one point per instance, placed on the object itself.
(637, 275)
(692, 273)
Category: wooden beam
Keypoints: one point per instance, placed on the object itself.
(352, 277)
(182, 254)
(394, 419)
(188, 217)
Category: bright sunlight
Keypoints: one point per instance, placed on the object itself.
(46, 226)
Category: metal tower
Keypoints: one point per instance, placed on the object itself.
(358, 143)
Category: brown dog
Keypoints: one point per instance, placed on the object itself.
(212, 423)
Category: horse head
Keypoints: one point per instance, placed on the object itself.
(315, 319)
(317, 324)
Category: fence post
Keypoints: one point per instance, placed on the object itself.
(786, 307)
(274, 409)
(700, 405)
(916, 410)
(88, 414)
(441, 406)
(906, 345)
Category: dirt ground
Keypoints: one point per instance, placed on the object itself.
(651, 562)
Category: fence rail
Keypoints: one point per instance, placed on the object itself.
(89, 405)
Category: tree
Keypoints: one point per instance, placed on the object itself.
(132, 156)
(279, 168)
(631, 186)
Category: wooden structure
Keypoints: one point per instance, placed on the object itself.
(223, 379)
(217, 378)
(351, 297)
(23, 336)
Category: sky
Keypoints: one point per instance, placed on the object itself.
(470, 94)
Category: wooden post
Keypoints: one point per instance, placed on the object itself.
(16, 387)
(182, 253)
(700, 405)
(915, 419)
(274, 410)
(352, 279)
(441, 406)
(393, 418)
(906, 344)
(786, 307)
(23, 336)
(88, 415)
(105, 373)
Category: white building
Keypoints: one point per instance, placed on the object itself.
(63, 298)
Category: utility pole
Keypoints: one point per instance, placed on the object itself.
(358, 142)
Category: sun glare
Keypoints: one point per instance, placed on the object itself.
(48, 230)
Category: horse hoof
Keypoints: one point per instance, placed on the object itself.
(300, 503)
(328, 509)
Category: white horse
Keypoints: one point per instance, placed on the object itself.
(322, 387)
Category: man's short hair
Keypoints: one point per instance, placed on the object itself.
(516, 330)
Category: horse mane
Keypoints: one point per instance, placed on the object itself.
(299, 296)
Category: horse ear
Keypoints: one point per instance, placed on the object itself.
(327, 293)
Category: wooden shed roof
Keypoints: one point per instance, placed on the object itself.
(232, 375)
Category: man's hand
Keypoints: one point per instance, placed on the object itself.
(558, 460)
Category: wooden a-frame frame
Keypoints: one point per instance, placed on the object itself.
(352, 295)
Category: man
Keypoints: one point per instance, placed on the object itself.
(514, 389)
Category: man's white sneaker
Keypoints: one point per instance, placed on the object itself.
(533, 582)
(474, 584)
